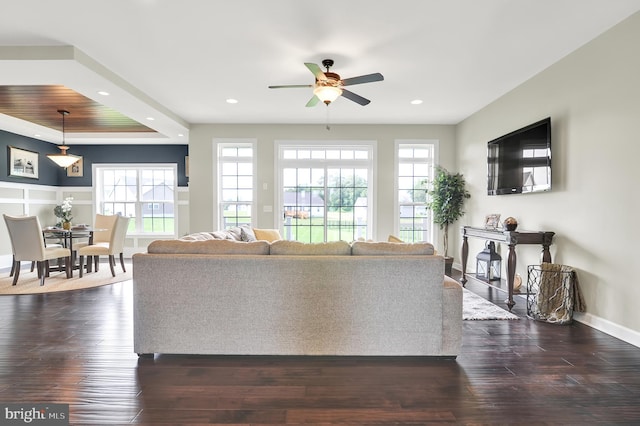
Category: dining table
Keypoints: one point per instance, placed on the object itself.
(66, 237)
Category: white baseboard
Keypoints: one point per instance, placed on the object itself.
(616, 330)
(6, 261)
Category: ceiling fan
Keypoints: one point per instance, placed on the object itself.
(329, 85)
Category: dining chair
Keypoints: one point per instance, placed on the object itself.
(114, 246)
(27, 244)
(103, 226)
(33, 263)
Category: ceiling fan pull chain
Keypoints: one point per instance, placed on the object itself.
(328, 126)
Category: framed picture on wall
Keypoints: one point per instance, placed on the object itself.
(76, 169)
(22, 163)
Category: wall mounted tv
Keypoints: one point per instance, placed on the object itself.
(520, 162)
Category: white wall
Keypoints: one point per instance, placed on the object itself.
(202, 167)
(593, 99)
(39, 200)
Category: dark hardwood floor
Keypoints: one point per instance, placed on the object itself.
(76, 348)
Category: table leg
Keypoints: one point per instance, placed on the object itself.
(546, 254)
(465, 255)
(511, 273)
(73, 256)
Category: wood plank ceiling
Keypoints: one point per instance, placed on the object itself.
(40, 105)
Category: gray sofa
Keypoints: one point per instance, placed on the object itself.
(289, 298)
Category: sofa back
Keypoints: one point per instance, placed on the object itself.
(384, 248)
(212, 246)
(203, 243)
(289, 304)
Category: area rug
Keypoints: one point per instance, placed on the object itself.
(475, 307)
(28, 282)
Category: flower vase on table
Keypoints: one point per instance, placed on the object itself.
(63, 213)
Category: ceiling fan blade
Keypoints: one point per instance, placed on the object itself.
(355, 98)
(317, 71)
(290, 86)
(369, 78)
(313, 101)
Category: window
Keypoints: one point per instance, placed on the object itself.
(146, 194)
(415, 164)
(235, 184)
(325, 191)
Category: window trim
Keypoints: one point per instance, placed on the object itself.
(396, 184)
(218, 145)
(95, 173)
(371, 163)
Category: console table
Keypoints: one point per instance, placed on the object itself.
(512, 238)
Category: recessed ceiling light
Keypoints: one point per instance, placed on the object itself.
(232, 101)
(103, 93)
(416, 102)
(150, 118)
(180, 135)
(36, 135)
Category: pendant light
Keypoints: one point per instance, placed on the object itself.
(63, 159)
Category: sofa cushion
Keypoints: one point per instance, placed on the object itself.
(385, 248)
(208, 247)
(284, 247)
(267, 234)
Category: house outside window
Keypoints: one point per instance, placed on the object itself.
(325, 190)
(236, 182)
(144, 193)
(415, 162)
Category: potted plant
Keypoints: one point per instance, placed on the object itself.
(445, 199)
(63, 213)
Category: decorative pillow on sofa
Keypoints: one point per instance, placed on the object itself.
(234, 233)
(284, 247)
(385, 248)
(269, 235)
(394, 239)
(247, 234)
(208, 247)
(198, 236)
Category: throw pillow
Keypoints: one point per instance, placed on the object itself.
(269, 235)
(234, 233)
(246, 234)
(394, 239)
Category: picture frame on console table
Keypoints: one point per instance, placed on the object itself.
(492, 221)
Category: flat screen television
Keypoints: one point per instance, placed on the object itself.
(520, 162)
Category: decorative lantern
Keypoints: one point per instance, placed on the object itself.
(489, 263)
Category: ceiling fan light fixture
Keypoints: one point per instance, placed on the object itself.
(327, 94)
(63, 159)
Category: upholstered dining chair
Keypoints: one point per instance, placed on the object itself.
(27, 244)
(33, 263)
(114, 246)
(104, 225)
